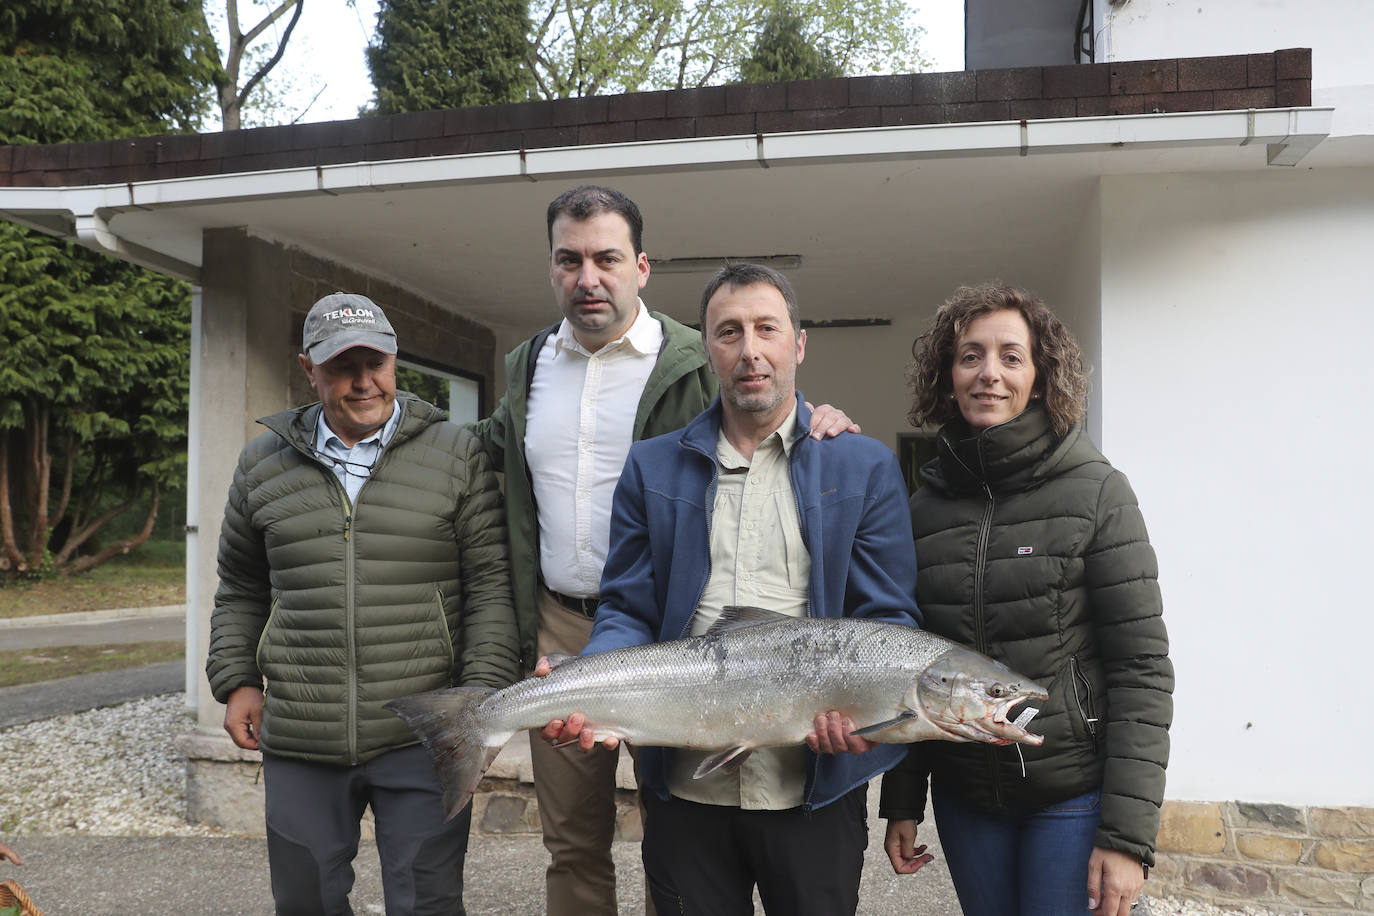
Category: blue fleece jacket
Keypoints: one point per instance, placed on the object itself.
(854, 521)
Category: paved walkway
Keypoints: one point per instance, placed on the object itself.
(30, 702)
(228, 876)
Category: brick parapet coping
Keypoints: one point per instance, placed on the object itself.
(1279, 79)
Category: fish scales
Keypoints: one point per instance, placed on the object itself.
(755, 679)
(677, 692)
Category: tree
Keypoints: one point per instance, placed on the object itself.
(591, 47)
(100, 69)
(94, 377)
(431, 54)
(239, 53)
(782, 52)
(92, 400)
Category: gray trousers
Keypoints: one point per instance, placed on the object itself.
(313, 815)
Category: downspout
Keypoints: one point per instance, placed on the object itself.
(193, 671)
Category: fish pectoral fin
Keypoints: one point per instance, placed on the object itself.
(727, 761)
(883, 726)
(739, 616)
(557, 658)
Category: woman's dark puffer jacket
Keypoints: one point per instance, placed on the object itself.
(345, 607)
(1034, 551)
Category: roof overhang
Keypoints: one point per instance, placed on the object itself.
(468, 229)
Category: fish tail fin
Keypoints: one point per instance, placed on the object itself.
(449, 725)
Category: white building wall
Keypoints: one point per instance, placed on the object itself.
(1076, 297)
(1235, 313)
(1337, 31)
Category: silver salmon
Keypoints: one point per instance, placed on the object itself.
(755, 679)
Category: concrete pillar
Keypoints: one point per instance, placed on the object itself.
(245, 358)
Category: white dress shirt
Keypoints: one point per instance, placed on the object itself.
(580, 422)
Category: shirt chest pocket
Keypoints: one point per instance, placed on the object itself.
(784, 545)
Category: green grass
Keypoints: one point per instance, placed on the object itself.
(153, 575)
(28, 666)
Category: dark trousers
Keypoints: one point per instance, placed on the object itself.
(313, 815)
(704, 860)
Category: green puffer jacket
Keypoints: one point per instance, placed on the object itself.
(679, 387)
(342, 608)
(1033, 550)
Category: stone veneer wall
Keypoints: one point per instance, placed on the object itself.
(1294, 859)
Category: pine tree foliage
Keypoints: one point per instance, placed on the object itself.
(93, 385)
(76, 70)
(431, 54)
(783, 51)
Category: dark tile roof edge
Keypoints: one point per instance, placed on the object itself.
(1277, 79)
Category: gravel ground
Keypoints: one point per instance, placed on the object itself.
(106, 772)
(114, 772)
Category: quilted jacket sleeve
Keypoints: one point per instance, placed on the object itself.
(1122, 576)
(490, 644)
(242, 601)
(904, 788)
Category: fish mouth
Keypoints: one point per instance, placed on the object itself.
(1010, 728)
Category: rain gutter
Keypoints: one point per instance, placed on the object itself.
(83, 214)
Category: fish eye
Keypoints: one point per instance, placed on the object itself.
(997, 690)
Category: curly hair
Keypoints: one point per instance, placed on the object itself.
(1061, 379)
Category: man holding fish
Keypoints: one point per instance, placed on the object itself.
(742, 508)
(610, 372)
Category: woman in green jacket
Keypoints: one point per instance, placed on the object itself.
(1033, 550)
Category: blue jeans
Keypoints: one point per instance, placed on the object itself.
(1018, 864)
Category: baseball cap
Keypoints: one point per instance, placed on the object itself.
(343, 320)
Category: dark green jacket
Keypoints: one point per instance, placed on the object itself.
(343, 607)
(1033, 550)
(679, 387)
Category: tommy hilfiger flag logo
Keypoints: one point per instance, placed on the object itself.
(1024, 551)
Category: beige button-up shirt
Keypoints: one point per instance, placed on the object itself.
(758, 558)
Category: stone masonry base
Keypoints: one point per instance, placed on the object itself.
(1293, 859)
(224, 789)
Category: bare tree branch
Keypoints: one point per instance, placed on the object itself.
(124, 546)
(281, 45)
(231, 97)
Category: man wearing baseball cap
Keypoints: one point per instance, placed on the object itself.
(362, 558)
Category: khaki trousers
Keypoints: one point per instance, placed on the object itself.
(576, 794)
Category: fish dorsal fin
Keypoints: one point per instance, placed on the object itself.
(726, 761)
(558, 658)
(739, 616)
